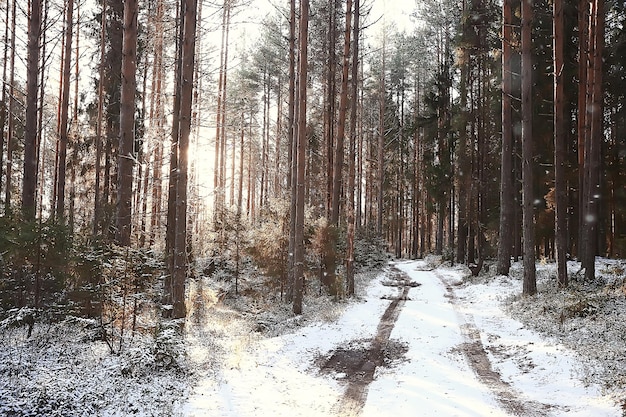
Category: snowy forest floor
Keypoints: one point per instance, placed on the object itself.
(420, 337)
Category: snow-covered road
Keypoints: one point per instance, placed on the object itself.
(460, 356)
(436, 379)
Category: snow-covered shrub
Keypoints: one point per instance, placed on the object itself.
(34, 263)
(269, 242)
(328, 247)
(581, 305)
(370, 251)
(433, 260)
(19, 317)
(169, 347)
(61, 370)
(129, 290)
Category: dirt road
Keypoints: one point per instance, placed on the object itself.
(456, 341)
(413, 343)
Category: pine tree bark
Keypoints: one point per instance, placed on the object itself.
(350, 206)
(157, 116)
(330, 104)
(170, 232)
(593, 156)
(416, 180)
(127, 124)
(464, 164)
(186, 101)
(505, 242)
(216, 162)
(4, 108)
(530, 281)
(98, 163)
(64, 113)
(172, 220)
(220, 130)
(341, 123)
(113, 80)
(560, 146)
(241, 159)
(301, 159)
(10, 122)
(279, 135)
(582, 120)
(291, 138)
(29, 186)
(75, 125)
(265, 136)
(381, 143)
(143, 170)
(222, 167)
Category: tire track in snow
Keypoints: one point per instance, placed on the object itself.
(474, 350)
(353, 400)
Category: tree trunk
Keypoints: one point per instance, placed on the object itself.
(465, 177)
(301, 159)
(330, 103)
(75, 126)
(265, 136)
(560, 146)
(127, 124)
(220, 130)
(359, 152)
(99, 120)
(157, 115)
(170, 232)
(10, 124)
(381, 145)
(291, 138)
(341, 123)
(186, 101)
(172, 220)
(143, 168)
(582, 121)
(222, 125)
(350, 215)
(30, 131)
(416, 180)
(593, 157)
(64, 113)
(279, 134)
(530, 284)
(233, 163)
(113, 80)
(4, 108)
(252, 175)
(505, 242)
(241, 159)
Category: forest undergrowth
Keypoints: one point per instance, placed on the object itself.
(587, 317)
(65, 368)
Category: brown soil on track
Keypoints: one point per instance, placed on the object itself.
(359, 361)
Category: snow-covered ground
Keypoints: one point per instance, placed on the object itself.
(461, 355)
(419, 339)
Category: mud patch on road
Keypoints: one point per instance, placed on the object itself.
(357, 362)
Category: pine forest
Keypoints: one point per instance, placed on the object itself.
(178, 175)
